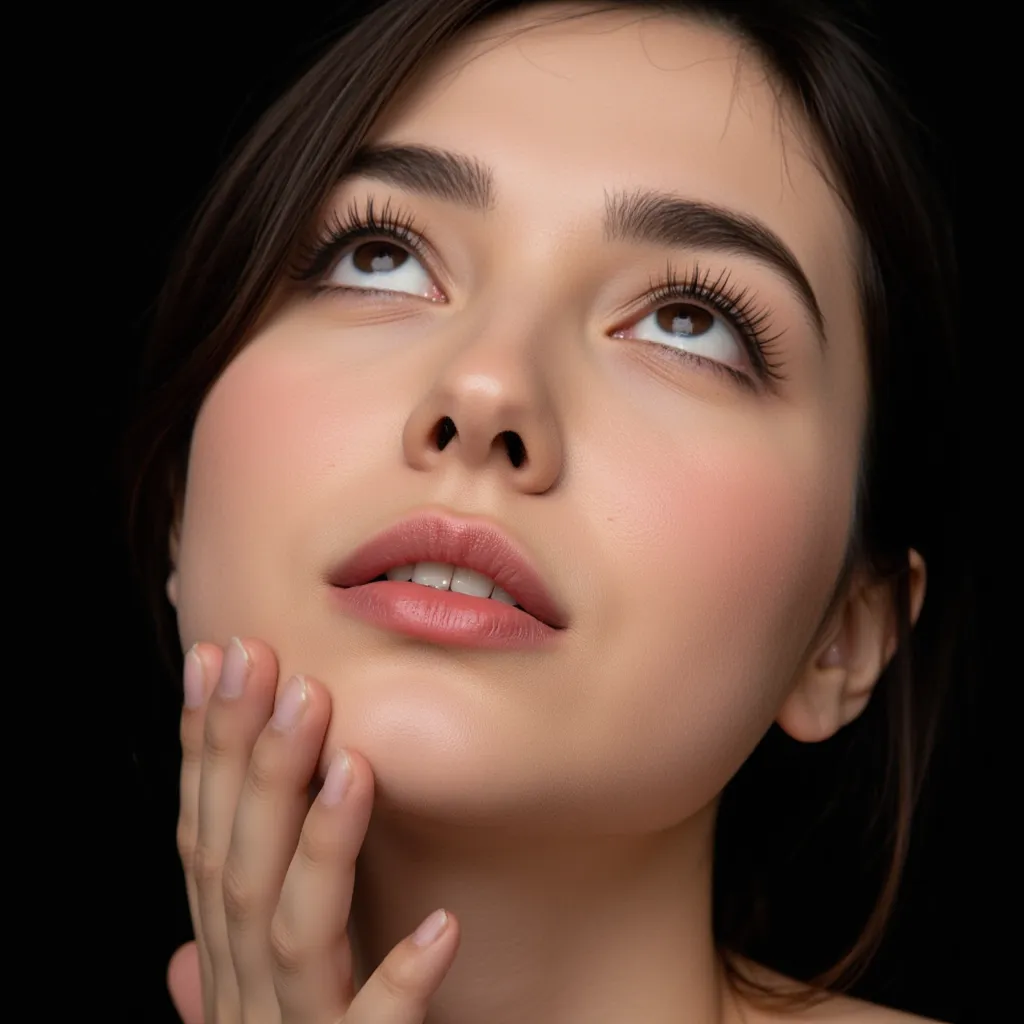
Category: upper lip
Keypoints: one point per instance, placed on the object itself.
(473, 544)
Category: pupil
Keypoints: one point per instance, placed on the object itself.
(685, 319)
(378, 257)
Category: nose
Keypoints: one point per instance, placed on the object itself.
(489, 409)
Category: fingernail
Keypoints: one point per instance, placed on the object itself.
(430, 929)
(290, 704)
(193, 679)
(234, 670)
(336, 782)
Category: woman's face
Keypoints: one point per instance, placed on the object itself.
(688, 509)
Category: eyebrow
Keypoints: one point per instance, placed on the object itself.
(426, 171)
(644, 216)
(657, 218)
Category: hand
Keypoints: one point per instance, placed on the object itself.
(269, 875)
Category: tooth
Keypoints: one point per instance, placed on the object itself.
(401, 572)
(502, 595)
(433, 574)
(469, 581)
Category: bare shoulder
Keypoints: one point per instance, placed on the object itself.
(844, 1010)
(833, 1009)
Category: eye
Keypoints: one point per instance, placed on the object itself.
(692, 329)
(382, 266)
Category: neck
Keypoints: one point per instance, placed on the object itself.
(554, 931)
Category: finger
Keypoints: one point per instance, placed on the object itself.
(183, 982)
(271, 809)
(236, 713)
(308, 937)
(202, 667)
(399, 991)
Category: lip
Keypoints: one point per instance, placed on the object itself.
(445, 616)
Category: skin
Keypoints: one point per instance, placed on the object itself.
(559, 803)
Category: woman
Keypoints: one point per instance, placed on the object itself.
(549, 397)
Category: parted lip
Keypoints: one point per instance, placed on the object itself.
(471, 543)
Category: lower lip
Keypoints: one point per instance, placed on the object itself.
(443, 617)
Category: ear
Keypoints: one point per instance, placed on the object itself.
(173, 545)
(838, 679)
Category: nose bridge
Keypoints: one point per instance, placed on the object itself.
(491, 403)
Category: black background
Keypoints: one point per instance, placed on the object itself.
(153, 103)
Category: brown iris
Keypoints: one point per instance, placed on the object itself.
(684, 319)
(378, 257)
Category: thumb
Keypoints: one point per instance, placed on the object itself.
(184, 984)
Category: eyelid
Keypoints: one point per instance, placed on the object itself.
(727, 302)
(361, 222)
(659, 296)
(746, 374)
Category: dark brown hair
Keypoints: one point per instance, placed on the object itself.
(245, 233)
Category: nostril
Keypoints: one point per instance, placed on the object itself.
(444, 432)
(515, 447)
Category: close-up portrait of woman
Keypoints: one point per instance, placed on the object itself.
(542, 500)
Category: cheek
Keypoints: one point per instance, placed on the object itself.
(726, 550)
(273, 435)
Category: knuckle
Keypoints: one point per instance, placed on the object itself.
(191, 743)
(219, 740)
(285, 950)
(186, 840)
(239, 899)
(317, 846)
(262, 776)
(397, 977)
(207, 866)
(191, 733)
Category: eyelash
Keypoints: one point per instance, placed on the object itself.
(735, 304)
(315, 258)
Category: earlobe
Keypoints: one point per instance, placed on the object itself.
(918, 584)
(172, 578)
(840, 676)
(172, 588)
(812, 711)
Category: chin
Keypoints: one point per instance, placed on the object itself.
(433, 745)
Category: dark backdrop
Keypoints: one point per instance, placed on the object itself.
(163, 95)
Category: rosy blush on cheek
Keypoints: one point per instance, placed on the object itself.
(732, 553)
(254, 449)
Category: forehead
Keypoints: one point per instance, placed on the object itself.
(566, 104)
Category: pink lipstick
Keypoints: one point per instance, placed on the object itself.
(470, 554)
